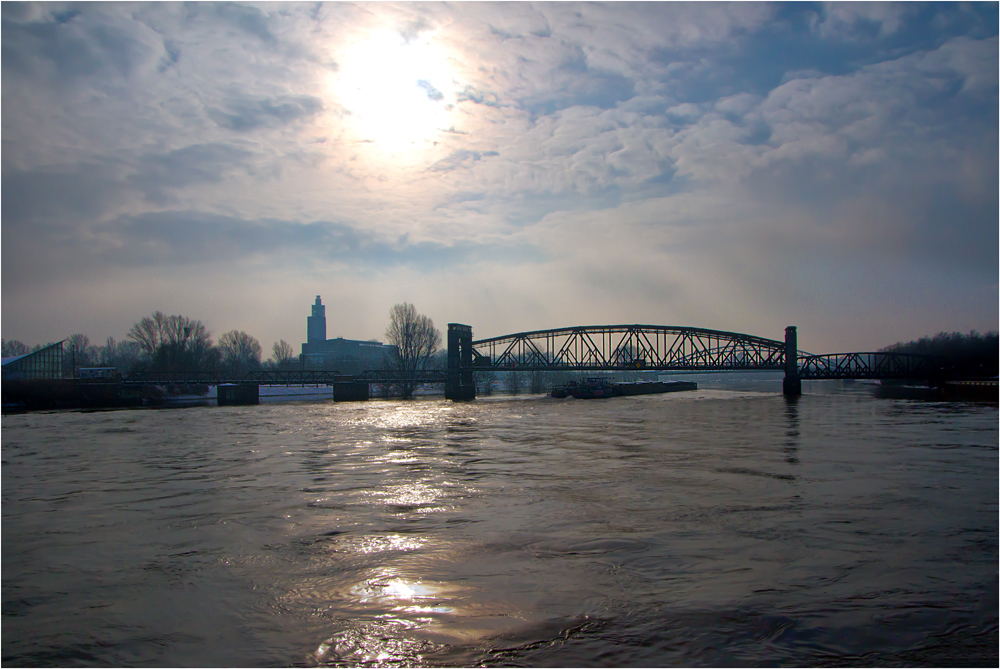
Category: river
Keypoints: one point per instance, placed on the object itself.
(714, 527)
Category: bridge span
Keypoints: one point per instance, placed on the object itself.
(665, 348)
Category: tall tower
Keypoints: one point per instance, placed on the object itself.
(316, 324)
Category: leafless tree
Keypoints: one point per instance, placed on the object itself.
(282, 354)
(82, 352)
(124, 356)
(174, 343)
(484, 380)
(148, 332)
(240, 352)
(415, 339)
(80, 342)
(384, 390)
(536, 381)
(514, 382)
(14, 347)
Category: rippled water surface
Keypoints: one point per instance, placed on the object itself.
(705, 528)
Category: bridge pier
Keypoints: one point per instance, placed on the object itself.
(459, 384)
(791, 386)
(350, 390)
(232, 394)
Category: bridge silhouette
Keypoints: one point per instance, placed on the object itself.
(587, 348)
(666, 348)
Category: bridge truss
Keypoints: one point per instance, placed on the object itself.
(670, 348)
(869, 366)
(619, 347)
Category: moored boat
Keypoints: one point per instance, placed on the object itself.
(598, 388)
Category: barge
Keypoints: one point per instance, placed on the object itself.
(602, 388)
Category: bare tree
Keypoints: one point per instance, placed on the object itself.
(125, 356)
(384, 390)
(174, 343)
(282, 354)
(514, 382)
(148, 332)
(80, 342)
(240, 352)
(484, 380)
(83, 354)
(14, 348)
(415, 339)
(536, 381)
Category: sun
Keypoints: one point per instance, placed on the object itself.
(398, 92)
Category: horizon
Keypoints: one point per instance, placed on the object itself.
(511, 167)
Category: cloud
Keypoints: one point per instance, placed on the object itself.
(861, 19)
(179, 238)
(244, 113)
(432, 93)
(61, 196)
(65, 45)
(249, 19)
(159, 175)
(717, 165)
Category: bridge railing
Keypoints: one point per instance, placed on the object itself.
(398, 376)
(260, 377)
(295, 377)
(177, 378)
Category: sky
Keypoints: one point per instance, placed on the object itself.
(509, 166)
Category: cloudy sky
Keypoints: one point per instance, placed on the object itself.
(510, 166)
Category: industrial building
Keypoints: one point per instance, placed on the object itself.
(346, 355)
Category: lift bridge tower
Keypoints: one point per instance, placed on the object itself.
(459, 384)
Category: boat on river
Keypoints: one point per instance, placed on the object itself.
(600, 388)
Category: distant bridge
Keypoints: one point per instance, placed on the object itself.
(261, 377)
(665, 348)
(246, 389)
(305, 377)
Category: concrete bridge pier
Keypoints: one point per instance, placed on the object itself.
(233, 394)
(459, 384)
(791, 386)
(349, 390)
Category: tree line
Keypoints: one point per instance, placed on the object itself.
(176, 343)
(162, 343)
(972, 354)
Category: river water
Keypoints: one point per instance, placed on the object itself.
(714, 527)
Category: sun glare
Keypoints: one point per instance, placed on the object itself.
(398, 92)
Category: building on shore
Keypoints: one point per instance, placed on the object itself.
(350, 356)
(45, 363)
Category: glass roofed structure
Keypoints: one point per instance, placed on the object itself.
(45, 363)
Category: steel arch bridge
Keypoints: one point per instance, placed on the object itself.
(620, 347)
(666, 348)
